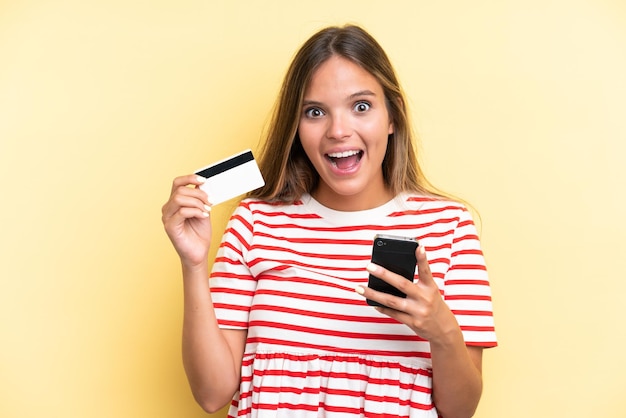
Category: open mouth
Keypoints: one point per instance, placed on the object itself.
(346, 159)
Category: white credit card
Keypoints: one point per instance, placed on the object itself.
(231, 177)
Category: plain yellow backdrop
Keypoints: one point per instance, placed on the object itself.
(521, 107)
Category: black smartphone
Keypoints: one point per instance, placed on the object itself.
(396, 254)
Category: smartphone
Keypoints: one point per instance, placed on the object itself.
(396, 254)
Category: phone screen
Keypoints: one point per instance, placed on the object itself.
(396, 254)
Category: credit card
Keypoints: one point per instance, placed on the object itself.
(231, 177)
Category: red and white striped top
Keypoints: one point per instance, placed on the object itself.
(287, 274)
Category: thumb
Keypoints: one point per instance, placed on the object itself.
(423, 268)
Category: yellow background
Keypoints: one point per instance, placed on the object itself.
(521, 106)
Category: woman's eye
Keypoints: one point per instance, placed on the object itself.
(313, 112)
(361, 107)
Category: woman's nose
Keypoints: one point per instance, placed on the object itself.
(339, 128)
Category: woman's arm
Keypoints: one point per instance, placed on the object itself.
(211, 356)
(457, 369)
(457, 379)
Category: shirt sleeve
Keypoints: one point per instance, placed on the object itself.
(231, 282)
(466, 286)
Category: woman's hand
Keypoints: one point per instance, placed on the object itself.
(186, 218)
(457, 369)
(423, 309)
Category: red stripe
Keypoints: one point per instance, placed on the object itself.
(439, 260)
(467, 297)
(325, 256)
(445, 246)
(310, 345)
(466, 252)
(287, 215)
(435, 235)
(231, 307)
(339, 409)
(477, 328)
(336, 333)
(284, 405)
(287, 373)
(331, 358)
(243, 222)
(440, 221)
(307, 280)
(468, 237)
(352, 377)
(472, 313)
(281, 389)
(303, 296)
(237, 324)
(467, 282)
(229, 291)
(488, 344)
(232, 248)
(467, 222)
(401, 402)
(292, 263)
(315, 314)
(373, 227)
(330, 241)
(236, 234)
(287, 356)
(467, 267)
(226, 260)
(414, 212)
(232, 276)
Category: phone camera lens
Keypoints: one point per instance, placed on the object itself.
(380, 243)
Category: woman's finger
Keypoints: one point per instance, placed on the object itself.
(187, 180)
(423, 268)
(395, 280)
(184, 205)
(399, 282)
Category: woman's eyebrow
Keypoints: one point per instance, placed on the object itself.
(306, 102)
(353, 96)
(361, 93)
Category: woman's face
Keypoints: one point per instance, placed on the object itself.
(344, 128)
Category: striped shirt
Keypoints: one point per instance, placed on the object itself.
(287, 273)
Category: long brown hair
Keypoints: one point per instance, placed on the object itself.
(287, 170)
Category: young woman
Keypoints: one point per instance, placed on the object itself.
(282, 328)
